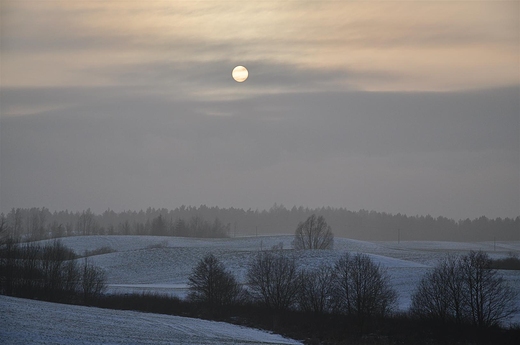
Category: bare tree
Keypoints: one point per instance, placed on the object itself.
(440, 292)
(316, 290)
(314, 233)
(210, 283)
(363, 288)
(71, 277)
(273, 279)
(54, 258)
(465, 289)
(31, 277)
(489, 299)
(93, 281)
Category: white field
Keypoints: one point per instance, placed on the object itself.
(34, 322)
(138, 265)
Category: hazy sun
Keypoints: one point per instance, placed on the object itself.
(240, 73)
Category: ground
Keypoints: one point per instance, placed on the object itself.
(163, 264)
(35, 322)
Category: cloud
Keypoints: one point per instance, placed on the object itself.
(422, 45)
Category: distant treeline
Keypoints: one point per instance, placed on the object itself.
(203, 221)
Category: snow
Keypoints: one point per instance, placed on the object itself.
(35, 322)
(163, 265)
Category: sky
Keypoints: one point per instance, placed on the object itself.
(408, 107)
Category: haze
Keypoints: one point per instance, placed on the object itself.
(394, 106)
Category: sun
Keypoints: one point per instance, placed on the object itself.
(240, 74)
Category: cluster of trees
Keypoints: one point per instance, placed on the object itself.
(40, 223)
(50, 272)
(465, 290)
(353, 286)
(462, 290)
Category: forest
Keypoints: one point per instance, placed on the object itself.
(203, 221)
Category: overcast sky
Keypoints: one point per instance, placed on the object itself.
(396, 106)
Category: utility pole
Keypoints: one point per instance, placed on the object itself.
(398, 236)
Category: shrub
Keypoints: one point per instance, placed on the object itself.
(93, 282)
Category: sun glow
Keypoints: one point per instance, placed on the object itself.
(240, 74)
(378, 45)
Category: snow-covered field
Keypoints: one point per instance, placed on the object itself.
(163, 264)
(34, 322)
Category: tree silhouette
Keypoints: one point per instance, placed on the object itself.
(363, 288)
(314, 233)
(273, 279)
(211, 284)
(465, 289)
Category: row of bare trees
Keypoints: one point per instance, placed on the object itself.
(51, 272)
(463, 289)
(353, 286)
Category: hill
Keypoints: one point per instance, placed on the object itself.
(163, 264)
